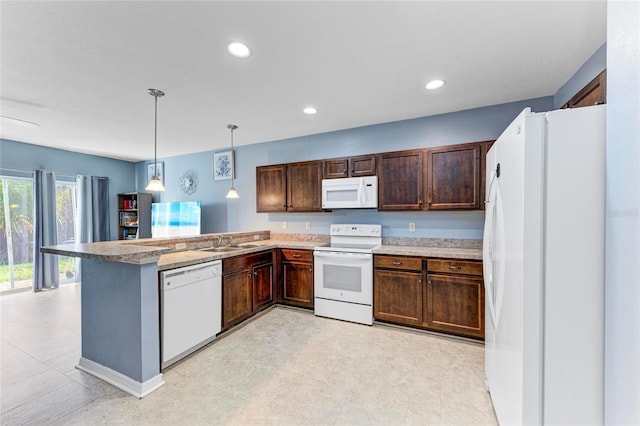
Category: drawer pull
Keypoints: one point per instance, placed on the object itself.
(455, 268)
(297, 256)
(396, 263)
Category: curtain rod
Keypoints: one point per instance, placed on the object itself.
(31, 172)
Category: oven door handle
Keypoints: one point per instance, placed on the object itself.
(342, 255)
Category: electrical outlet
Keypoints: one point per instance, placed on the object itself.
(412, 227)
(284, 225)
(256, 237)
(307, 225)
(181, 246)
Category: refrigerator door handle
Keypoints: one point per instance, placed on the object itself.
(488, 248)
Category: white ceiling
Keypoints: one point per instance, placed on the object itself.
(81, 69)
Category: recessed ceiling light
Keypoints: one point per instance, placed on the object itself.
(310, 110)
(239, 50)
(434, 84)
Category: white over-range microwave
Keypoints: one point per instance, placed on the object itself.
(350, 193)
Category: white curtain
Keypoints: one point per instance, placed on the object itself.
(45, 231)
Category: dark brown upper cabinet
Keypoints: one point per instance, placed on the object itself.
(293, 187)
(454, 177)
(400, 176)
(304, 187)
(271, 188)
(363, 165)
(594, 93)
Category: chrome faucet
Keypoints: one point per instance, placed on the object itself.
(221, 238)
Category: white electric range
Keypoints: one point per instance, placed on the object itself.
(343, 273)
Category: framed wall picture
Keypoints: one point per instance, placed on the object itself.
(151, 171)
(223, 165)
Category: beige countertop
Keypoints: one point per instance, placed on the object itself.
(191, 257)
(145, 251)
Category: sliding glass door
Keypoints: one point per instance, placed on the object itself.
(16, 231)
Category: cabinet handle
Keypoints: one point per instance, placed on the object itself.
(429, 282)
(420, 280)
(297, 256)
(352, 171)
(310, 269)
(396, 263)
(455, 268)
(249, 275)
(284, 206)
(430, 202)
(255, 273)
(419, 202)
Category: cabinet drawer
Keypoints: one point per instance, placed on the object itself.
(297, 255)
(242, 262)
(452, 266)
(399, 262)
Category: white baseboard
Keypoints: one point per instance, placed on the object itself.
(119, 380)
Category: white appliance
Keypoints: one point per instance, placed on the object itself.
(350, 193)
(544, 268)
(343, 273)
(191, 309)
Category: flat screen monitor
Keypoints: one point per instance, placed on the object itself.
(175, 219)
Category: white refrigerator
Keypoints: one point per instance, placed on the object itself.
(543, 255)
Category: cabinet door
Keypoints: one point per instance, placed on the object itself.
(455, 304)
(400, 180)
(297, 284)
(304, 182)
(262, 286)
(453, 177)
(397, 296)
(364, 165)
(594, 93)
(336, 168)
(236, 297)
(271, 188)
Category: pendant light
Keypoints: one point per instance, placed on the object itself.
(232, 191)
(155, 184)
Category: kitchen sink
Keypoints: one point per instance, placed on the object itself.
(223, 249)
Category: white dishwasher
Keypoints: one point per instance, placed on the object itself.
(191, 305)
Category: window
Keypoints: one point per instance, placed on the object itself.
(16, 231)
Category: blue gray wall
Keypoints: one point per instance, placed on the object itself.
(220, 214)
(66, 165)
(594, 66)
(622, 284)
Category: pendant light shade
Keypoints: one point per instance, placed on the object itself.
(155, 184)
(232, 191)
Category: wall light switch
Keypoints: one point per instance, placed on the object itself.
(412, 227)
(307, 225)
(284, 225)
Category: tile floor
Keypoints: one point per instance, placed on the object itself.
(286, 367)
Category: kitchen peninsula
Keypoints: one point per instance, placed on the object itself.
(121, 301)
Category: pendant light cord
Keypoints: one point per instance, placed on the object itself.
(232, 127)
(155, 140)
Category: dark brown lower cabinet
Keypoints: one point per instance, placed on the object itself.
(397, 296)
(236, 297)
(450, 300)
(297, 278)
(262, 286)
(247, 286)
(455, 304)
